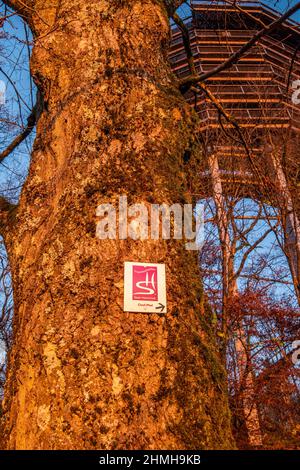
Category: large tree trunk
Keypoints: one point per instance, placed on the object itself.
(82, 373)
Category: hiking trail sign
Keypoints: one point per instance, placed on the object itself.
(145, 287)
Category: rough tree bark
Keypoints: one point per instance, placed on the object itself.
(82, 373)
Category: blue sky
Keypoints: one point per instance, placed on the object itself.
(14, 62)
(283, 5)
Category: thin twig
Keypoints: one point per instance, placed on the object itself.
(31, 121)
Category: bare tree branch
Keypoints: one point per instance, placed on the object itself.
(23, 8)
(251, 248)
(31, 121)
(172, 5)
(186, 42)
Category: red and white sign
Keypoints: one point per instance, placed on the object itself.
(145, 287)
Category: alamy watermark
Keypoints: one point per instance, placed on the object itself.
(2, 92)
(296, 93)
(296, 353)
(143, 221)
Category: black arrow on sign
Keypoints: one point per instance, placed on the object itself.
(161, 307)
